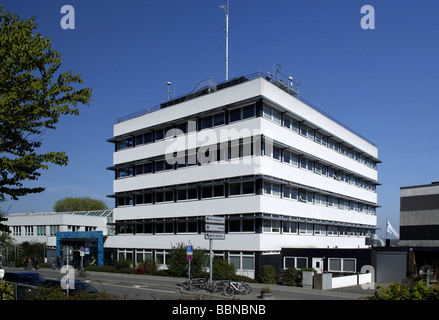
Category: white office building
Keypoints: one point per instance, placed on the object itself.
(59, 229)
(283, 174)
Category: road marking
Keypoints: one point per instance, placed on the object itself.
(137, 287)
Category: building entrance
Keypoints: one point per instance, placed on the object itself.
(92, 241)
(75, 245)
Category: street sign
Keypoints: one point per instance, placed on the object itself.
(215, 230)
(82, 249)
(215, 227)
(189, 258)
(214, 236)
(87, 250)
(216, 220)
(189, 250)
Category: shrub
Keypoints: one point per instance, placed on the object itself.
(397, 291)
(290, 277)
(57, 293)
(124, 264)
(146, 267)
(102, 268)
(7, 291)
(178, 264)
(223, 270)
(267, 274)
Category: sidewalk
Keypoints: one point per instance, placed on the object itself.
(282, 292)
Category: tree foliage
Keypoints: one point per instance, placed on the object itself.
(4, 229)
(78, 204)
(33, 96)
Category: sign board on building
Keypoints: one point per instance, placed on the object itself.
(215, 228)
(216, 220)
(214, 236)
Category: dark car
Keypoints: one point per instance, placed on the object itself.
(79, 286)
(29, 278)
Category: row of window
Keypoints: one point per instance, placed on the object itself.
(241, 149)
(334, 264)
(241, 260)
(230, 150)
(43, 231)
(242, 113)
(305, 130)
(205, 122)
(243, 225)
(289, 157)
(231, 189)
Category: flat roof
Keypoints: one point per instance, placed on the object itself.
(278, 79)
(433, 184)
(94, 213)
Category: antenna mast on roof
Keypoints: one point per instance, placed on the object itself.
(226, 10)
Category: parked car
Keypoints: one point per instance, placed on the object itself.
(79, 286)
(26, 282)
(29, 278)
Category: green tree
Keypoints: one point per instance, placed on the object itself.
(4, 229)
(31, 102)
(79, 204)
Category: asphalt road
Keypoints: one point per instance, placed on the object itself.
(144, 287)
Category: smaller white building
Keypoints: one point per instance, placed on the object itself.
(43, 226)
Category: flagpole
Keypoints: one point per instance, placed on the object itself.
(387, 222)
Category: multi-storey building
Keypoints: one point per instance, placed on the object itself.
(284, 174)
(419, 216)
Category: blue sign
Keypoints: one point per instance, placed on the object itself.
(87, 250)
(189, 250)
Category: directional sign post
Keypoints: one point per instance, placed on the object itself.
(215, 230)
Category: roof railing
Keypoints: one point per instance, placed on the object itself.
(277, 78)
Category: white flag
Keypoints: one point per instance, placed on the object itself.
(391, 230)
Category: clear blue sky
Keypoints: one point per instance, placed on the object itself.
(381, 82)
